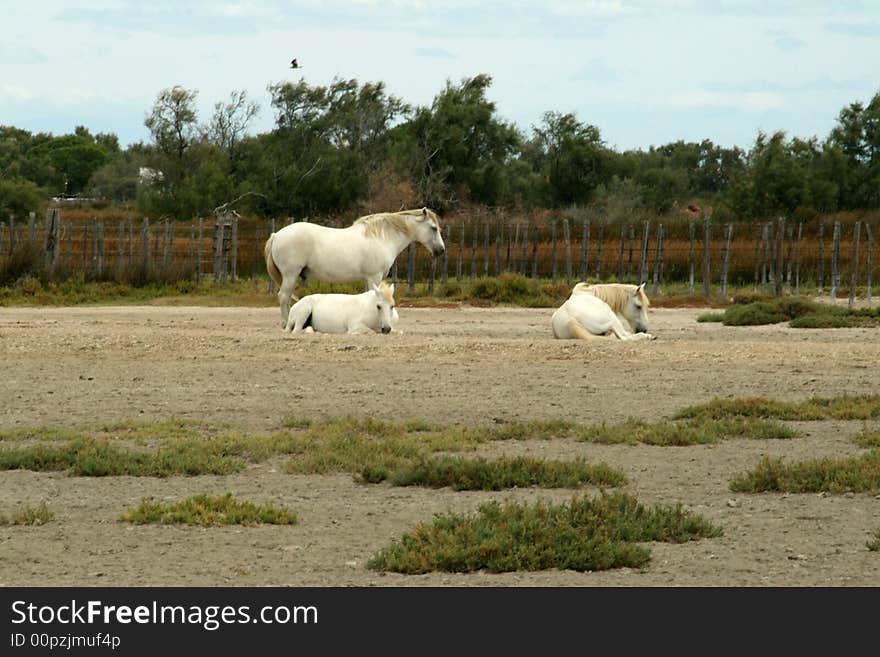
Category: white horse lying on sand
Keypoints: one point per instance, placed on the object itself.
(596, 310)
(365, 250)
(372, 310)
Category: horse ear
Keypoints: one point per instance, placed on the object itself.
(424, 212)
(391, 287)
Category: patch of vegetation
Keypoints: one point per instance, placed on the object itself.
(346, 444)
(91, 458)
(867, 438)
(496, 474)
(843, 407)
(701, 431)
(797, 311)
(874, 543)
(137, 431)
(583, 535)
(208, 511)
(39, 515)
(857, 474)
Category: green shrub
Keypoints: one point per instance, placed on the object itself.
(208, 511)
(583, 535)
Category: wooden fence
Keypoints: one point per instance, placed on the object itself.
(772, 257)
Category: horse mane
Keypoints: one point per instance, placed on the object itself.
(377, 225)
(614, 294)
(387, 292)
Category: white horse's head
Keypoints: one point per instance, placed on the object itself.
(426, 231)
(628, 301)
(386, 312)
(636, 309)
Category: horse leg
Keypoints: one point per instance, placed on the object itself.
(579, 332)
(297, 317)
(285, 294)
(618, 329)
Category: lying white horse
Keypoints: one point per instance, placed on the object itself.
(365, 250)
(595, 310)
(372, 310)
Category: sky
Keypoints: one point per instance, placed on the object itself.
(645, 72)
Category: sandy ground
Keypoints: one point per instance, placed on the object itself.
(64, 367)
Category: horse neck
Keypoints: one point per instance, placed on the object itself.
(395, 240)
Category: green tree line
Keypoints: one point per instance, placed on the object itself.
(340, 147)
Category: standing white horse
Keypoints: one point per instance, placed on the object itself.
(365, 250)
(372, 310)
(595, 310)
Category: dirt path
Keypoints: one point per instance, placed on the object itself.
(69, 366)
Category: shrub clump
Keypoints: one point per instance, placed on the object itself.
(583, 535)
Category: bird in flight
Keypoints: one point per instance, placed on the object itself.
(294, 63)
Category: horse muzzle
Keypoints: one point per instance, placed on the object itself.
(385, 329)
(438, 251)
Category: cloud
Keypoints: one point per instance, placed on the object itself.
(596, 71)
(435, 53)
(751, 101)
(788, 43)
(869, 30)
(18, 54)
(15, 92)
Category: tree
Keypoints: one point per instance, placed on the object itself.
(572, 157)
(457, 146)
(230, 121)
(173, 125)
(857, 135)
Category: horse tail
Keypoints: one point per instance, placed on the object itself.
(270, 262)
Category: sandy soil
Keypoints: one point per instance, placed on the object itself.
(68, 366)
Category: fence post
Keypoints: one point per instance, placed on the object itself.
(535, 253)
(445, 275)
(725, 258)
(797, 266)
(459, 255)
(100, 241)
(599, 251)
(411, 267)
(707, 237)
(165, 245)
(507, 242)
(870, 260)
(835, 260)
(765, 247)
(32, 227)
(486, 251)
(658, 260)
(643, 262)
(120, 247)
(513, 262)
(566, 236)
(821, 275)
(585, 249)
(780, 240)
(854, 264)
(432, 272)
(53, 223)
(620, 252)
(523, 261)
(555, 253)
(789, 234)
(474, 237)
(234, 246)
(499, 227)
